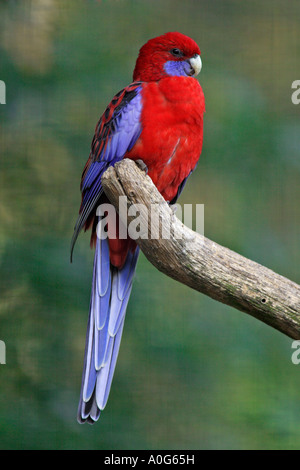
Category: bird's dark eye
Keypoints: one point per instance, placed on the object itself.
(176, 52)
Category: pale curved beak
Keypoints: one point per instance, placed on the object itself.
(196, 64)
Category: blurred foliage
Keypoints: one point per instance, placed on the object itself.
(192, 373)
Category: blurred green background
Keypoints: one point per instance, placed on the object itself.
(192, 373)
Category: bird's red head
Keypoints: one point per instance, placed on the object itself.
(172, 54)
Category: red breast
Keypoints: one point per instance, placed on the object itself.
(171, 140)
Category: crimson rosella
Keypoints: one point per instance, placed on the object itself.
(158, 119)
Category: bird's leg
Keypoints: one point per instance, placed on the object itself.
(142, 165)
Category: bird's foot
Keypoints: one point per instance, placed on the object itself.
(142, 165)
(173, 208)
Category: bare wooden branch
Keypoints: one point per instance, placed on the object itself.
(200, 263)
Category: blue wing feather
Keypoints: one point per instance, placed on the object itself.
(116, 132)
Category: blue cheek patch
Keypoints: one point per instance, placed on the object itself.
(177, 68)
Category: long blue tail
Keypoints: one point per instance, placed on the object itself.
(111, 289)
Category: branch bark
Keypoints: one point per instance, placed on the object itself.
(200, 263)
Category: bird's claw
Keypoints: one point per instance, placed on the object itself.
(142, 165)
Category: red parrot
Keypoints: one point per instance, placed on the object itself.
(158, 119)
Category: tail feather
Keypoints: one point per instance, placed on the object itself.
(111, 288)
(106, 373)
